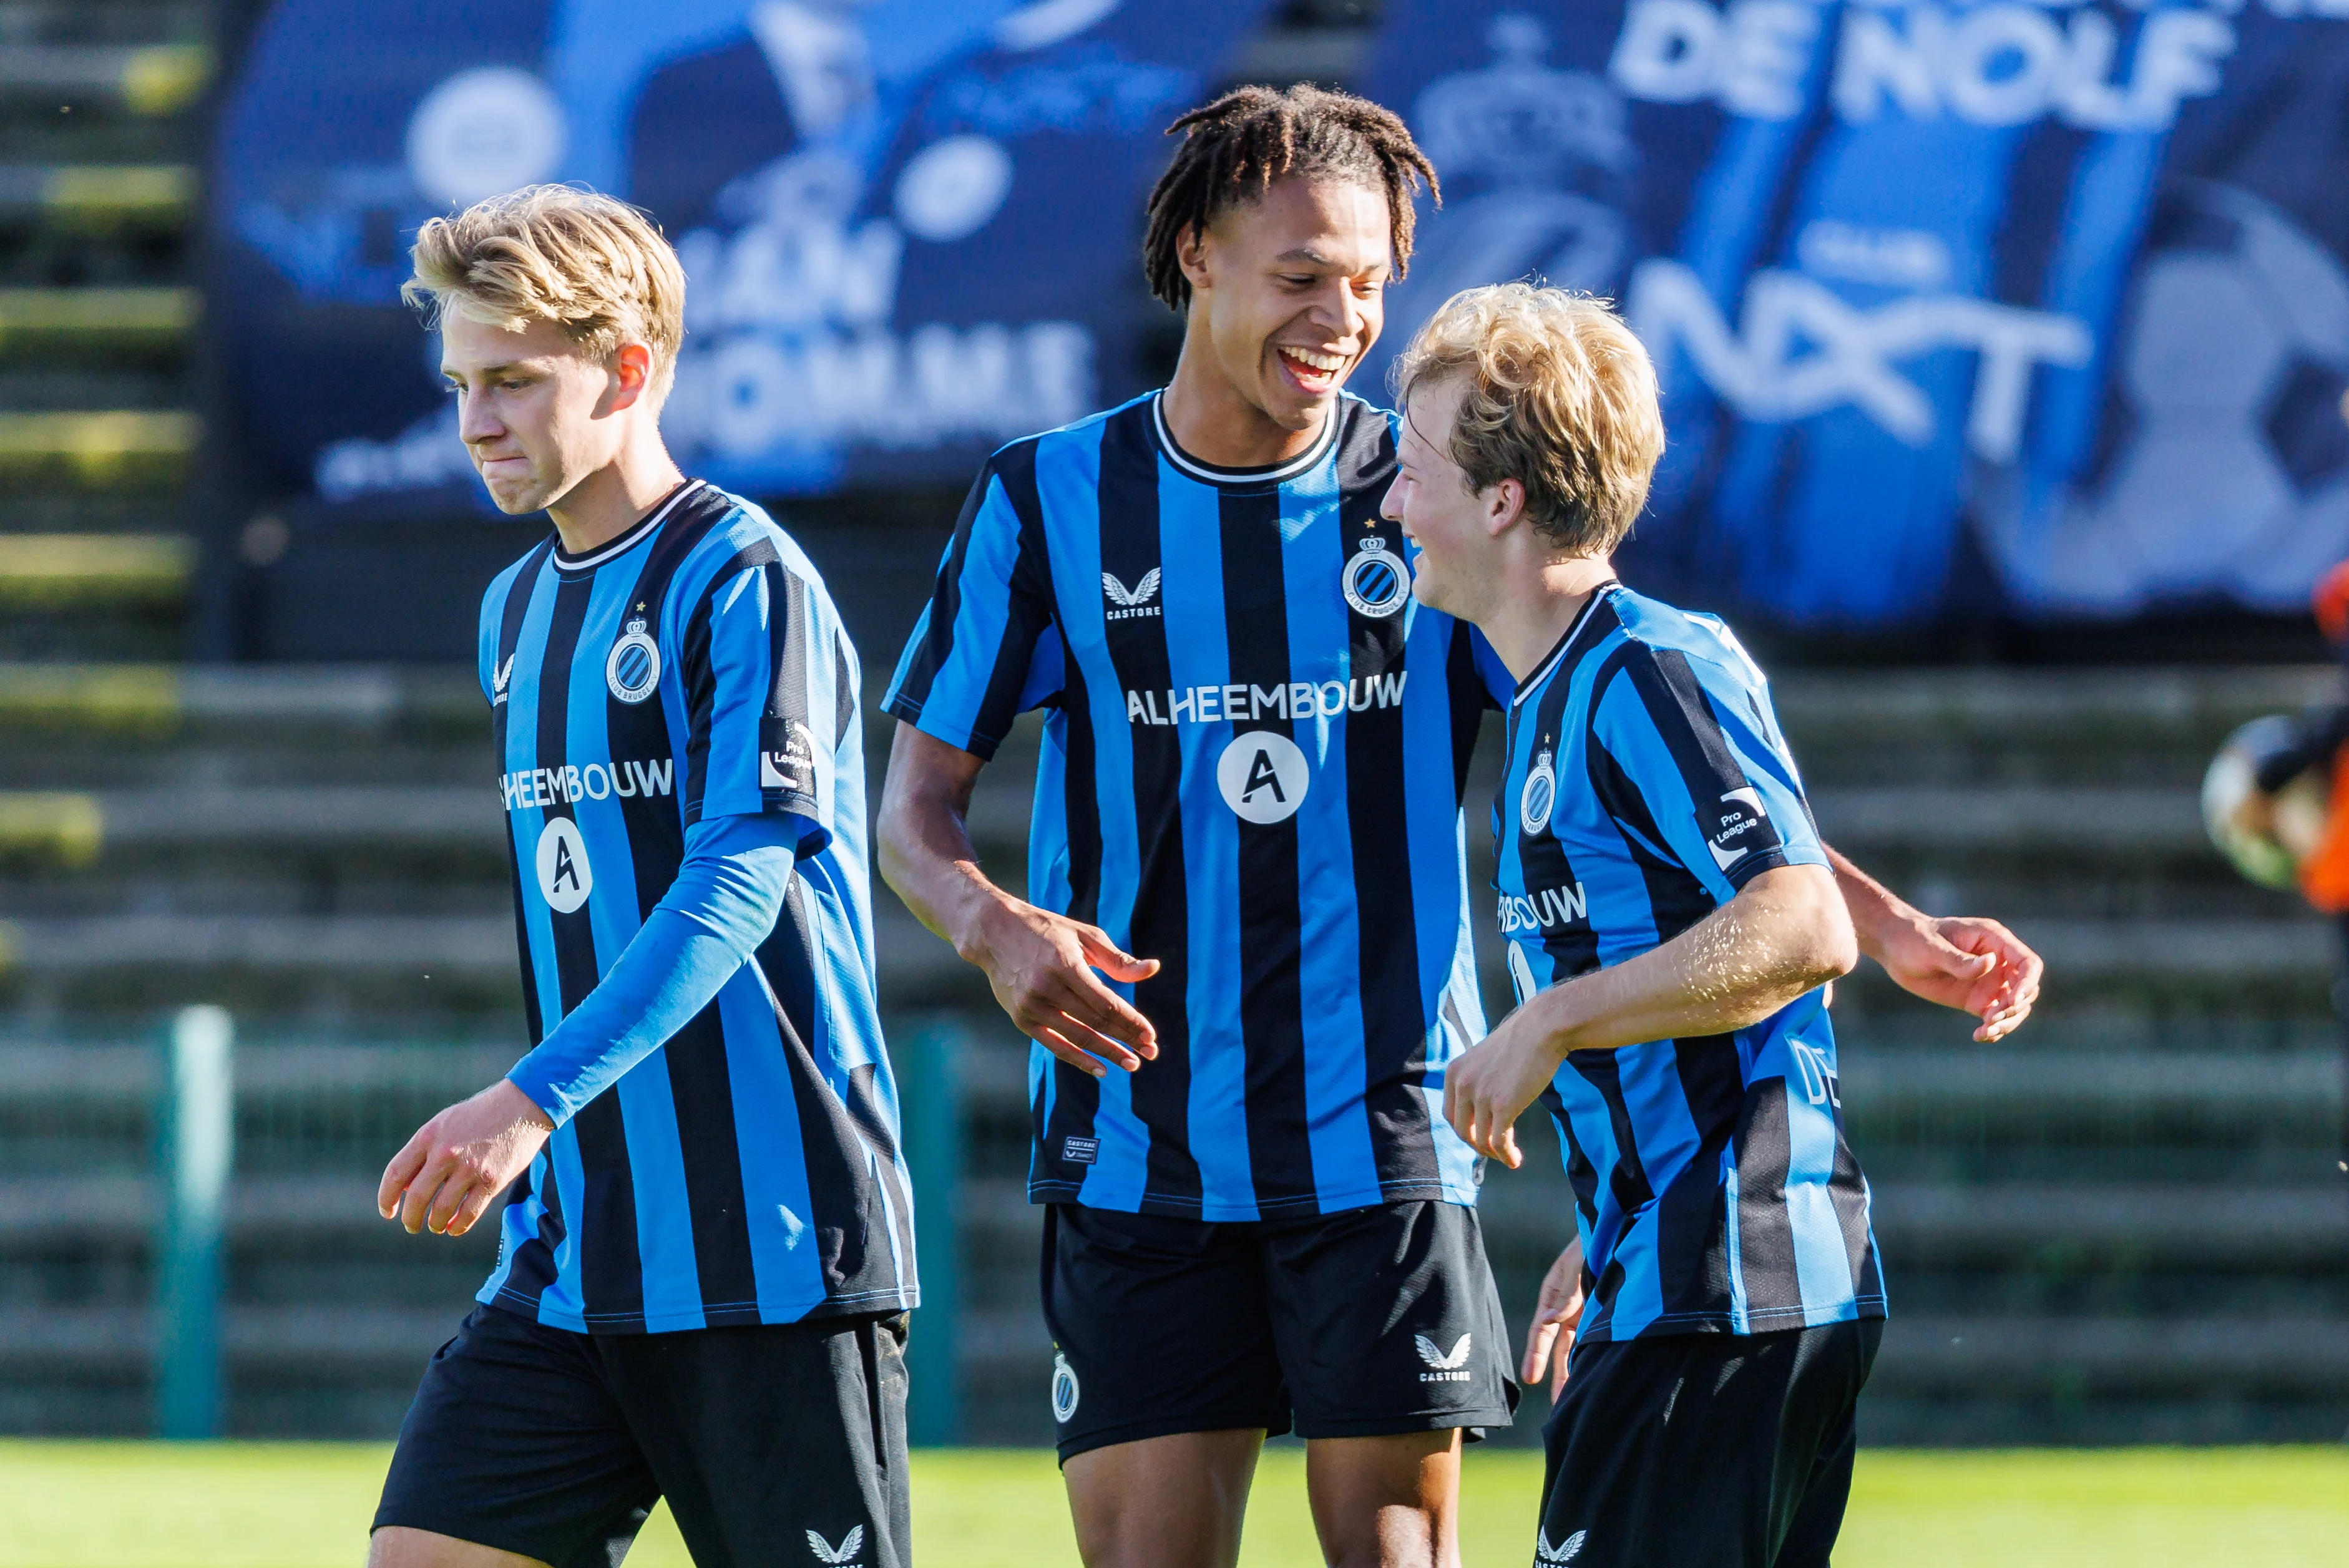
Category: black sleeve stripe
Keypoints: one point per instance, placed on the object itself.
(843, 689)
(946, 599)
(1682, 714)
(1470, 701)
(1031, 611)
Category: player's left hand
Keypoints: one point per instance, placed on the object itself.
(1489, 1084)
(1975, 966)
(458, 1162)
(1558, 1315)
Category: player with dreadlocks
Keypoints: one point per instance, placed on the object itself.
(1244, 956)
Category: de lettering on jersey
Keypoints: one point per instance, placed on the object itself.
(535, 788)
(1244, 702)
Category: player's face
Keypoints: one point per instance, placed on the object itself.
(536, 415)
(1293, 285)
(1450, 522)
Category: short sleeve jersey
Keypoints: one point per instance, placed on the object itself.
(748, 1172)
(1253, 752)
(1648, 783)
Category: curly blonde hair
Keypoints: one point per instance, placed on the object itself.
(1559, 397)
(593, 265)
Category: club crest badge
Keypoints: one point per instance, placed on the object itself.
(1376, 580)
(634, 669)
(1540, 794)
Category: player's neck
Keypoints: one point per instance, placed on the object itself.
(1532, 609)
(617, 497)
(1213, 423)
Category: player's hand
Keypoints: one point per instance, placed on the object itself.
(1557, 1314)
(1041, 966)
(458, 1161)
(1977, 966)
(1489, 1084)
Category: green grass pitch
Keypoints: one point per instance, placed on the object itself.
(243, 1505)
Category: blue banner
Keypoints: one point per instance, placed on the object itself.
(2036, 309)
(910, 227)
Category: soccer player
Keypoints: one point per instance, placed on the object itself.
(1671, 922)
(704, 1268)
(1244, 955)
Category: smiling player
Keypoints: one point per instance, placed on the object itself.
(1251, 776)
(1244, 955)
(1672, 921)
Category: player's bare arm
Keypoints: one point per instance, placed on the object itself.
(1785, 933)
(1965, 962)
(1042, 965)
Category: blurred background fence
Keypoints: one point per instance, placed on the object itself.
(2128, 1224)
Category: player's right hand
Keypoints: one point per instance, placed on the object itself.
(448, 1173)
(1557, 1314)
(1042, 966)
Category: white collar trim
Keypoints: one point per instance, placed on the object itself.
(1543, 671)
(627, 541)
(1206, 473)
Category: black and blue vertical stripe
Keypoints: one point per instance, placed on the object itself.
(1647, 783)
(749, 1170)
(1252, 767)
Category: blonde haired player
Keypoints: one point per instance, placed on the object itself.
(1671, 919)
(706, 1248)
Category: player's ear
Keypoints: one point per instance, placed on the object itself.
(632, 372)
(1191, 255)
(1505, 503)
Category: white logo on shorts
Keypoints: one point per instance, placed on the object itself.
(563, 874)
(1444, 1368)
(1563, 1552)
(843, 1555)
(1263, 776)
(1064, 1389)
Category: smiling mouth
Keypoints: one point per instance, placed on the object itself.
(1314, 370)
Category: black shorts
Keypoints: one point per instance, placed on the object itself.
(556, 1445)
(1706, 1450)
(1363, 1324)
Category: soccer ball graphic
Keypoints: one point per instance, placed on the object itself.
(2223, 469)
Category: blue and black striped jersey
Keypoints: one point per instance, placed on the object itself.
(1647, 783)
(748, 1172)
(1252, 771)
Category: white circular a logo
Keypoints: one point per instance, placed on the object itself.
(1376, 580)
(1064, 1389)
(1521, 975)
(1263, 776)
(634, 668)
(1540, 793)
(563, 874)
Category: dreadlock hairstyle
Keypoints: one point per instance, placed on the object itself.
(1234, 147)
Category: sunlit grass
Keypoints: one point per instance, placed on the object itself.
(259, 1505)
